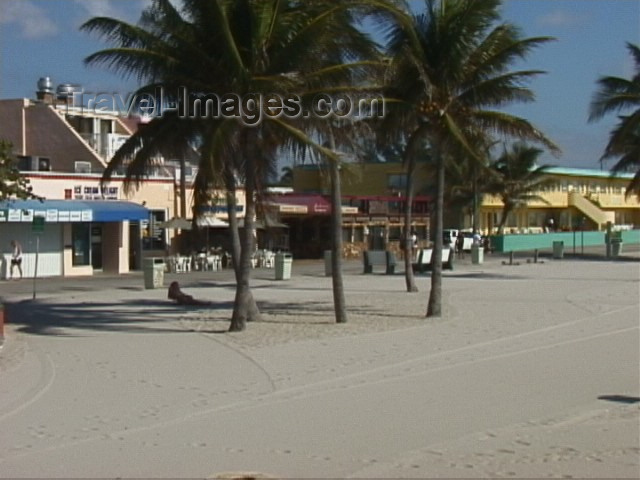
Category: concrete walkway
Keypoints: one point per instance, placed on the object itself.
(533, 372)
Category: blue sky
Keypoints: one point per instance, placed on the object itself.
(41, 38)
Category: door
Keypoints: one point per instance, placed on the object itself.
(135, 246)
(96, 247)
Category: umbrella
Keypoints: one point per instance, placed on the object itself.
(212, 222)
(176, 224)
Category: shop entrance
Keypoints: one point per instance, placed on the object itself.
(96, 247)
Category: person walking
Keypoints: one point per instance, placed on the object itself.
(16, 257)
(459, 245)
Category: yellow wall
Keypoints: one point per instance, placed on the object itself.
(356, 179)
(373, 179)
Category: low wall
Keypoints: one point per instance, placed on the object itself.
(515, 243)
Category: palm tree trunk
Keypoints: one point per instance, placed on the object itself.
(503, 219)
(434, 308)
(408, 242)
(243, 299)
(474, 214)
(183, 203)
(236, 248)
(339, 303)
(183, 189)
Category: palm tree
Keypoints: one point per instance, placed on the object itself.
(449, 75)
(250, 48)
(518, 179)
(614, 95)
(12, 182)
(409, 161)
(287, 176)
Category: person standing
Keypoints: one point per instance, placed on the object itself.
(459, 245)
(16, 257)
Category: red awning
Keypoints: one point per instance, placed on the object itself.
(314, 204)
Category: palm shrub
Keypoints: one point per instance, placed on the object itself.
(518, 179)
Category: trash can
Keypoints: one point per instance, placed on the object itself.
(616, 247)
(153, 268)
(328, 269)
(477, 254)
(283, 266)
(558, 250)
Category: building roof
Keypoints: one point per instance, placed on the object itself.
(588, 172)
(36, 129)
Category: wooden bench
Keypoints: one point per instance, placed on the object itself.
(424, 261)
(382, 258)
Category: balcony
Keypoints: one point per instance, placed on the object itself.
(105, 145)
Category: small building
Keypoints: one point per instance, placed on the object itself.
(69, 237)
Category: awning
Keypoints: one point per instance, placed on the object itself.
(176, 223)
(264, 225)
(64, 211)
(307, 204)
(211, 222)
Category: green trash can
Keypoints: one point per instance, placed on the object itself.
(153, 268)
(283, 266)
(328, 265)
(616, 247)
(558, 250)
(477, 254)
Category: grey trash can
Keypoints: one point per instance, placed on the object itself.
(153, 268)
(558, 250)
(283, 266)
(477, 254)
(328, 269)
(616, 247)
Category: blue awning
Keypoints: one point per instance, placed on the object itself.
(63, 211)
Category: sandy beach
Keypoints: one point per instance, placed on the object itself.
(533, 371)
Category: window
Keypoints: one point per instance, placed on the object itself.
(82, 167)
(81, 244)
(397, 181)
(154, 237)
(395, 233)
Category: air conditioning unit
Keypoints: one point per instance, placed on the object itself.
(82, 167)
(34, 164)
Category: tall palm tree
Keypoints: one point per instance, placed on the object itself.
(409, 161)
(614, 95)
(249, 48)
(449, 76)
(518, 179)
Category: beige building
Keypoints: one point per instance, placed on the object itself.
(63, 151)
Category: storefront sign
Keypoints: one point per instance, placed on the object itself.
(26, 215)
(52, 215)
(14, 215)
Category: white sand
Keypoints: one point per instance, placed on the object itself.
(506, 384)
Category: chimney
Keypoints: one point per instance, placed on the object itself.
(66, 91)
(45, 90)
